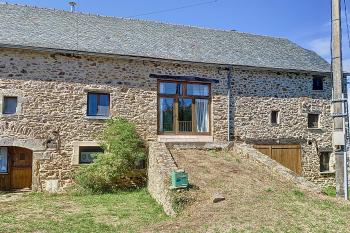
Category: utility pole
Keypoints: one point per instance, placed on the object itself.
(338, 102)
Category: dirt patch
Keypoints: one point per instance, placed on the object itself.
(255, 198)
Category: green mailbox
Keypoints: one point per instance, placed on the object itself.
(179, 179)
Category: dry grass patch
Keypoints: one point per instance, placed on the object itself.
(257, 200)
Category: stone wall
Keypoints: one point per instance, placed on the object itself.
(247, 151)
(52, 90)
(160, 166)
(256, 93)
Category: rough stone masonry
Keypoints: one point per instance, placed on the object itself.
(52, 92)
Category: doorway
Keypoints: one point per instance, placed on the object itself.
(15, 168)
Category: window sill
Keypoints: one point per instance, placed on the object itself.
(275, 124)
(97, 117)
(8, 115)
(185, 138)
(317, 129)
(327, 173)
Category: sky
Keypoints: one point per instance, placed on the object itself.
(305, 22)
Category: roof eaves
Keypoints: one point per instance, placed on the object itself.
(88, 53)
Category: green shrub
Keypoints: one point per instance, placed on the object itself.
(122, 149)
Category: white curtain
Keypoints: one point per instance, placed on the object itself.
(202, 115)
(3, 160)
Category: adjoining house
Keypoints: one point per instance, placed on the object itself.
(63, 74)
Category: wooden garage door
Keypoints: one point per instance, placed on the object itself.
(287, 155)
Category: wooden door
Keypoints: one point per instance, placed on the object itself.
(287, 155)
(21, 168)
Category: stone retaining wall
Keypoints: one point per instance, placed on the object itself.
(160, 166)
(248, 151)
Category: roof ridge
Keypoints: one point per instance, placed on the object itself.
(145, 20)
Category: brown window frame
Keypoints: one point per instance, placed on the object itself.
(176, 105)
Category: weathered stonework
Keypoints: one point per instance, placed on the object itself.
(160, 166)
(53, 89)
(257, 93)
(247, 151)
(52, 93)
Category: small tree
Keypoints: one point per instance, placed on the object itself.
(122, 148)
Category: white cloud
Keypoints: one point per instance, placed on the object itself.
(321, 46)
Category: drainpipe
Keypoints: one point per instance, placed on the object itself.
(229, 91)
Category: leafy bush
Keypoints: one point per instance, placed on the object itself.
(122, 149)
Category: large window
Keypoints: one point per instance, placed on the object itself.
(9, 105)
(3, 160)
(98, 104)
(87, 153)
(183, 107)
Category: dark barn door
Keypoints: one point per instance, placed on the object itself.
(287, 155)
(18, 174)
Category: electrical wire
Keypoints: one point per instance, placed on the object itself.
(174, 9)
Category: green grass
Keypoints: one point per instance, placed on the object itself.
(330, 191)
(124, 211)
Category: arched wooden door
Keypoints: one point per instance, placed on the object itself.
(16, 168)
(21, 167)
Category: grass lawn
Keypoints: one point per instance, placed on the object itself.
(119, 212)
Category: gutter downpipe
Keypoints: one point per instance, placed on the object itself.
(229, 91)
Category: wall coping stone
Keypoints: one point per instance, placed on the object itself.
(160, 165)
(249, 152)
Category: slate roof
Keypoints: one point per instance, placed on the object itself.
(57, 29)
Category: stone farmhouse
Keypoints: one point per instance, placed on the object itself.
(62, 74)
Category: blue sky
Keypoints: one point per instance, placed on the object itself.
(306, 22)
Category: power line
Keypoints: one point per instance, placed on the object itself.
(175, 9)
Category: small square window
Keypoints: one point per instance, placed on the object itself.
(275, 117)
(313, 121)
(324, 161)
(317, 83)
(87, 153)
(9, 105)
(98, 104)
